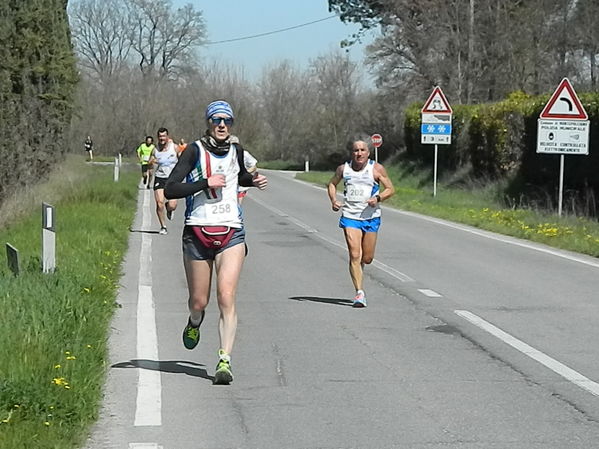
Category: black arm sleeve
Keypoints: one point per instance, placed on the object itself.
(175, 187)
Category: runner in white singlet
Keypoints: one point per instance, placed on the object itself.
(214, 236)
(360, 211)
(164, 157)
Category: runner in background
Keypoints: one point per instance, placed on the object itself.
(144, 153)
(182, 145)
(251, 165)
(89, 147)
(164, 157)
(361, 211)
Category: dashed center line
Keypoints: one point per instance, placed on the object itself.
(555, 366)
(430, 293)
(376, 263)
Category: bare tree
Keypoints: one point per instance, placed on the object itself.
(587, 35)
(287, 100)
(100, 34)
(163, 39)
(337, 80)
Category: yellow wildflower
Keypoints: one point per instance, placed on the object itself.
(60, 381)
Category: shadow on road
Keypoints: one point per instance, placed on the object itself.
(168, 366)
(143, 230)
(336, 301)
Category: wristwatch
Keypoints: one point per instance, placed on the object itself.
(378, 198)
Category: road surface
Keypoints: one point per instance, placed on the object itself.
(470, 339)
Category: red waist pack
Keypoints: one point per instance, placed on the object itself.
(214, 237)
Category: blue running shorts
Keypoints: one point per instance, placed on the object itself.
(370, 225)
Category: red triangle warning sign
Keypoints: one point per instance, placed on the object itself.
(564, 104)
(437, 103)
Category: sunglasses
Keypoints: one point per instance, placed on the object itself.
(217, 120)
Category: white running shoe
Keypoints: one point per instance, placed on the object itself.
(359, 300)
(163, 231)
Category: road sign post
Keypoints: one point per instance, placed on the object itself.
(436, 125)
(563, 128)
(48, 239)
(377, 141)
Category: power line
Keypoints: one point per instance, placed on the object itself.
(269, 32)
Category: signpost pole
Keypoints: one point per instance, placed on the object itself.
(376, 140)
(563, 128)
(435, 172)
(561, 185)
(435, 127)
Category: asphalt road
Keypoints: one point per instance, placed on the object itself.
(470, 339)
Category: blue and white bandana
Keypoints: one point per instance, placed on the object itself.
(219, 107)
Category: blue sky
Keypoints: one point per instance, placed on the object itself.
(238, 18)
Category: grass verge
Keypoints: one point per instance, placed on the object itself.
(54, 326)
(480, 208)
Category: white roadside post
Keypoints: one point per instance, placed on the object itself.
(116, 169)
(436, 125)
(48, 238)
(377, 141)
(307, 166)
(563, 128)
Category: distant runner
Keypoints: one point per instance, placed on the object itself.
(361, 211)
(89, 147)
(182, 145)
(214, 236)
(144, 153)
(164, 157)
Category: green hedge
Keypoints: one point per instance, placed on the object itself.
(499, 140)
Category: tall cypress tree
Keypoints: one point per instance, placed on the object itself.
(37, 83)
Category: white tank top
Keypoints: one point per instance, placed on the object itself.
(165, 160)
(359, 187)
(214, 207)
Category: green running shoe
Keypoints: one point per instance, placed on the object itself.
(191, 336)
(223, 375)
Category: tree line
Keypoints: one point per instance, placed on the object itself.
(120, 69)
(140, 71)
(478, 50)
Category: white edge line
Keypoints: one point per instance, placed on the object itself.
(148, 410)
(555, 366)
(483, 233)
(500, 238)
(144, 446)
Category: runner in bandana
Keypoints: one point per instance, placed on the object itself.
(214, 236)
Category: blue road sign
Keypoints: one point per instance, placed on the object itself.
(436, 128)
